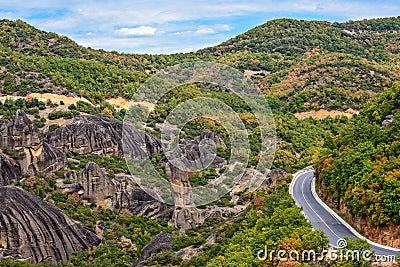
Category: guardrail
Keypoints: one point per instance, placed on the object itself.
(333, 213)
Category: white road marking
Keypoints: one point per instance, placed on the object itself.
(302, 192)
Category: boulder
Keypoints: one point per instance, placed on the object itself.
(160, 243)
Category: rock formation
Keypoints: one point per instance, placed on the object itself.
(190, 156)
(103, 136)
(24, 140)
(37, 230)
(214, 137)
(387, 121)
(138, 202)
(195, 156)
(186, 215)
(10, 170)
(95, 185)
(161, 242)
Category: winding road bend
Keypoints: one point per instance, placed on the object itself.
(323, 218)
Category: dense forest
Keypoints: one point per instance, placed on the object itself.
(360, 168)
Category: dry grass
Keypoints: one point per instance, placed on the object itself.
(57, 98)
(323, 113)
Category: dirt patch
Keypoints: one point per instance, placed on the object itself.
(58, 98)
(120, 102)
(250, 73)
(323, 113)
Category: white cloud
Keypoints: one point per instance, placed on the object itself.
(139, 31)
(205, 30)
(223, 27)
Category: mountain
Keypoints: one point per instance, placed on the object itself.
(49, 62)
(61, 107)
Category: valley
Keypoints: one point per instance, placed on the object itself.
(68, 197)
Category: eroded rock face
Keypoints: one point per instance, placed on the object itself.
(186, 215)
(23, 138)
(193, 156)
(38, 231)
(180, 185)
(138, 202)
(96, 186)
(10, 170)
(102, 136)
(161, 242)
(19, 133)
(214, 137)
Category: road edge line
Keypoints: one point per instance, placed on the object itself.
(354, 231)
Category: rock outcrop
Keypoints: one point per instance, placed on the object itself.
(195, 156)
(186, 215)
(38, 231)
(10, 170)
(214, 137)
(138, 202)
(103, 136)
(387, 121)
(24, 140)
(190, 156)
(95, 185)
(160, 243)
(271, 176)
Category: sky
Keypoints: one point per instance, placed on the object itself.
(160, 27)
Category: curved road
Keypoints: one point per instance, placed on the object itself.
(321, 216)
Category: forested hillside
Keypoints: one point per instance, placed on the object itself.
(300, 66)
(360, 170)
(291, 60)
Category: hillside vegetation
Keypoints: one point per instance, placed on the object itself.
(361, 168)
(298, 59)
(299, 66)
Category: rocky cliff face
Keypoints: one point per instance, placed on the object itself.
(385, 235)
(102, 136)
(186, 215)
(10, 170)
(24, 140)
(138, 202)
(96, 186)
(192, 157)
(38, 231)
(214, 137)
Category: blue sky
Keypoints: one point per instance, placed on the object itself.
(141, 26)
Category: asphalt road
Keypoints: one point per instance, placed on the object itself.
(321, 218)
